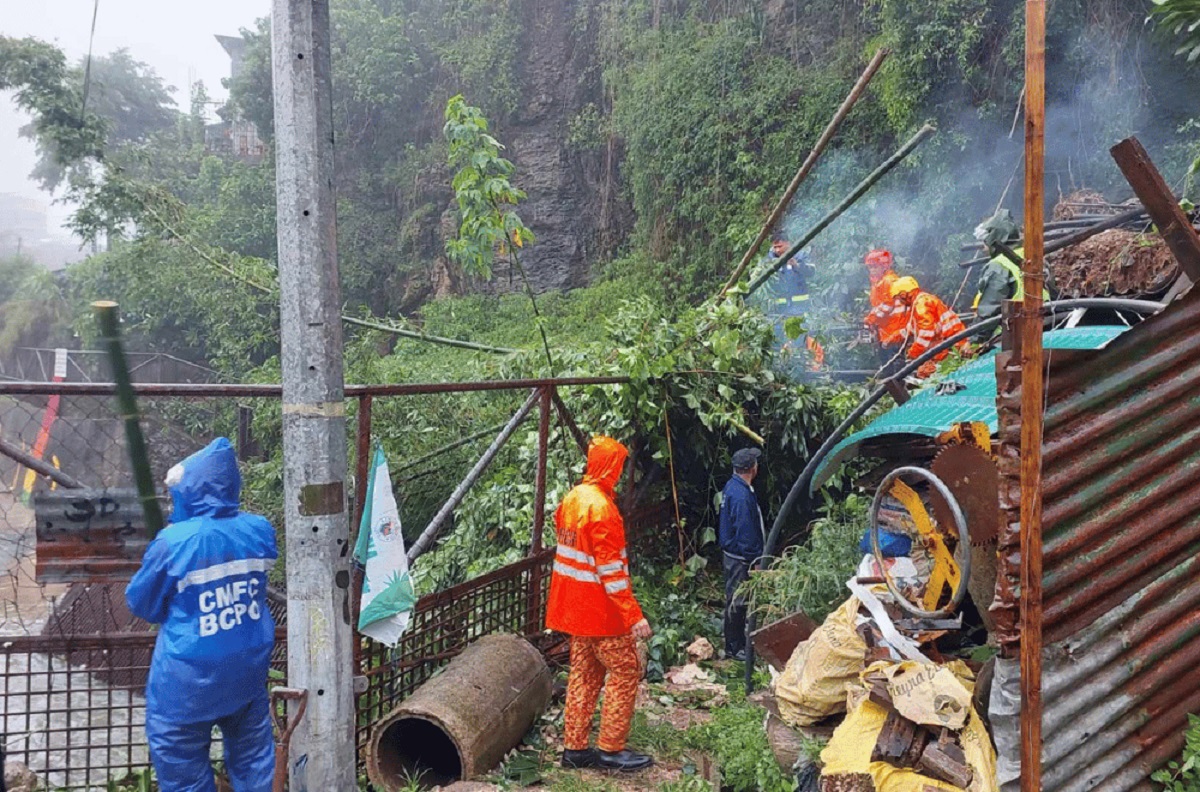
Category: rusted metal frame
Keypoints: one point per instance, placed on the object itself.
(362, 467)
(187, 390)
(41, 467)
(533, 602)
(1032, 398)
(1173, 225)
(539, 487)
(425, 540)
(564, 415)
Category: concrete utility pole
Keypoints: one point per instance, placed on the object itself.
(322, 755)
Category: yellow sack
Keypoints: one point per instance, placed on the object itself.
(930, 694)
(813, 685)
(849, 750)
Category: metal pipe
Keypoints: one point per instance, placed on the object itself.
(39, 466)
(539, 486)
(200, 390)
(107, 319)
(564, 415)
(362, 471)
(835, 437)
(837, 211)
(431, 531)
(809, 163)
(1075, 239)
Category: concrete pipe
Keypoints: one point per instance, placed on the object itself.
(461, 723)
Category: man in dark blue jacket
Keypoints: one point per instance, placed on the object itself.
(204, 579)
(742, 535)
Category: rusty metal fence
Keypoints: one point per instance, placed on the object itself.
(73, 660)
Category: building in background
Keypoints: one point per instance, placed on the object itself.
(25, 230)
(234, 136)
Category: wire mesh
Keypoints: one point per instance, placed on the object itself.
(73, 659)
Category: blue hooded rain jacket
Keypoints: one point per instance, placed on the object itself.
(204, 579)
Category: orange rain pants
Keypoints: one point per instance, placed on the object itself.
(611, 663)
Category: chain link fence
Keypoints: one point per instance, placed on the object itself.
(74, 660)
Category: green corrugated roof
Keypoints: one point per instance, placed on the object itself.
(929, 414)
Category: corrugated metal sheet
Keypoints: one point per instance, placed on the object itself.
(1121, 488)
(929, 414)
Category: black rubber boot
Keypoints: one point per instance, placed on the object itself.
(626, 761)
(578, 760)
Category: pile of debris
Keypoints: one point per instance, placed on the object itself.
(1129, 260)
(899, 711)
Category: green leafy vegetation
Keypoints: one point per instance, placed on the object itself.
(1183, 775)
(736, 740)
(1181, 18)
(812, 576)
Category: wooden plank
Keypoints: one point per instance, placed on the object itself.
(1031, 405)
(1160, 204)
(89, 535)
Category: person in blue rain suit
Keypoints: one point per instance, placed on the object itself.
(204, 579)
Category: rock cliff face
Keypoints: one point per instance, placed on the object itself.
(572, 206)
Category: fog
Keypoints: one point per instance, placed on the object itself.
(175, 38)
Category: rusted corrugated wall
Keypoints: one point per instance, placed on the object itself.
(1121, 488)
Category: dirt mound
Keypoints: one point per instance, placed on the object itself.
(1114, 262)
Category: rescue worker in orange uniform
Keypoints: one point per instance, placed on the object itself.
(929, 321)
(886, 320)
(882, 276)
(591, 600)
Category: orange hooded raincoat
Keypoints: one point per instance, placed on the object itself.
(590, 591)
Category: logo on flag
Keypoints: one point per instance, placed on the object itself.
(388, 596)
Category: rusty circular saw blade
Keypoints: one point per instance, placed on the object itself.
(971, 475)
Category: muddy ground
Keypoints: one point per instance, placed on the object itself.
(1114, 263)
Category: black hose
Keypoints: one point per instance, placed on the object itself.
(798, 488)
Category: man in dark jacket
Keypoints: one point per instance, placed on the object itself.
(742, 535)
(204, 579)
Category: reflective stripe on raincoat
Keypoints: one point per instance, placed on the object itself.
(590, 591)
(888, 316)
(204, 578)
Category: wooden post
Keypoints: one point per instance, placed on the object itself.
(320, 656)
(1032, 395)
(1160, 204)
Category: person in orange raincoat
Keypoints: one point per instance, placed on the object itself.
(882, 276)
(886, 320)
(929, 321)
(591, 600)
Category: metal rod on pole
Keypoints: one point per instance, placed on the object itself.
(425, 540)
(320, 655)
(39, 466)
(564, 415)
(108, 320)
(809, 163)
(1032, 398)
(539, 486)
(362, 467)
(837, 211)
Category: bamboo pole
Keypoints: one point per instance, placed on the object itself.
(110, 334)
(809, 163)
(1032, 394)
(866, 184)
